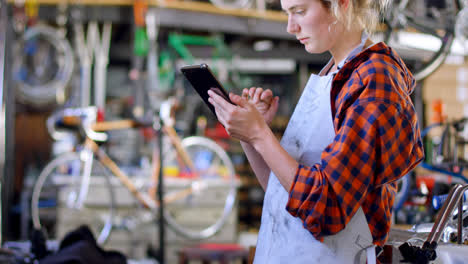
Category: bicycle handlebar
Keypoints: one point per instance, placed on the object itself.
(84, 117)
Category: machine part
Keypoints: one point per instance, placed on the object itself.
(414, 254)
(42, 66)
(427, 252)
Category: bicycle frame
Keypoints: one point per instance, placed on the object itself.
(92, 149)
(179, 42)
(221, 56)
(210, 172)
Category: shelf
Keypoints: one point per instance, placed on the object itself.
(182, 14)
(192, 6)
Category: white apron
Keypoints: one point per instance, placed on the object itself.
(282, 237)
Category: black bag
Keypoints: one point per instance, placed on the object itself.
(79, 246)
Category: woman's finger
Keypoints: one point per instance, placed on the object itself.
(267, 96)
(239, 101)
(258, 93)
(219, 101)
(245, 93)
(270, 114)
(220, 117)
(252, 92)
(220, 113)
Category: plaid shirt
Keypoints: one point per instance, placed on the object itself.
(377, 142)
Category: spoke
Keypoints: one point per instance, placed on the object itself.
(424, 28)
(433, 24)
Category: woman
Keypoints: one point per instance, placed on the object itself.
(330, 182)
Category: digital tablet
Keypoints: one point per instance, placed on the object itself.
(202, 80)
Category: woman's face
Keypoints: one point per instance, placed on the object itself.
(311, 23)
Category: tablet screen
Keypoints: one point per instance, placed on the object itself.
(202, 79)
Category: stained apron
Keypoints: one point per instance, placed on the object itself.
(282, 238)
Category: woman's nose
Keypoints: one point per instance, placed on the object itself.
(292, 26)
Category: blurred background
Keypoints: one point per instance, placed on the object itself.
(68, 65)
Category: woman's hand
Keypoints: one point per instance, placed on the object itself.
(242, 121)
(263, 100)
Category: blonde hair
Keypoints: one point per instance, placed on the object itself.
(366, 13)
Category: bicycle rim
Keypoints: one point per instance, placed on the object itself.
(55, 205)
(430, 24)
(213, 187)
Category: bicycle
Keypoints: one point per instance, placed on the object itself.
(201, 168)
(429, 21)
(445, 155)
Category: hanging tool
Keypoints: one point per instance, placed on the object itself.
(140, 51)
(152, 62)
(93, 48)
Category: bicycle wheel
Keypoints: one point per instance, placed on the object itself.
(64, 198)
(199, 202)
(42, 67)
(423, 31)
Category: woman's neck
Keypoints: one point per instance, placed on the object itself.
(344, 44)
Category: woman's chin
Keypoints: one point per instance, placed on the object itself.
(314, 49)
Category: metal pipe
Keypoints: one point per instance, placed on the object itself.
(455, 197)
(3, 31)
(161, 222)
(460, 220)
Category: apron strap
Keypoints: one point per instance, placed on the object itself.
(371, 257)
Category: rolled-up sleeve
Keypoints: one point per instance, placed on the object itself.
(374, 146)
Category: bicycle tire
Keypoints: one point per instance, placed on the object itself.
(446, 36)
(196, 146)
(46, 92)
(60, 175)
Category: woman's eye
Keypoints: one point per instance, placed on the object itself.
(300, 12)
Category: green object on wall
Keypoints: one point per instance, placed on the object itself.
(141, 44)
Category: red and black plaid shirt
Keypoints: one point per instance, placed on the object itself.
(377, 142)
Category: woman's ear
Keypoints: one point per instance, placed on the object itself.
(344, 4)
